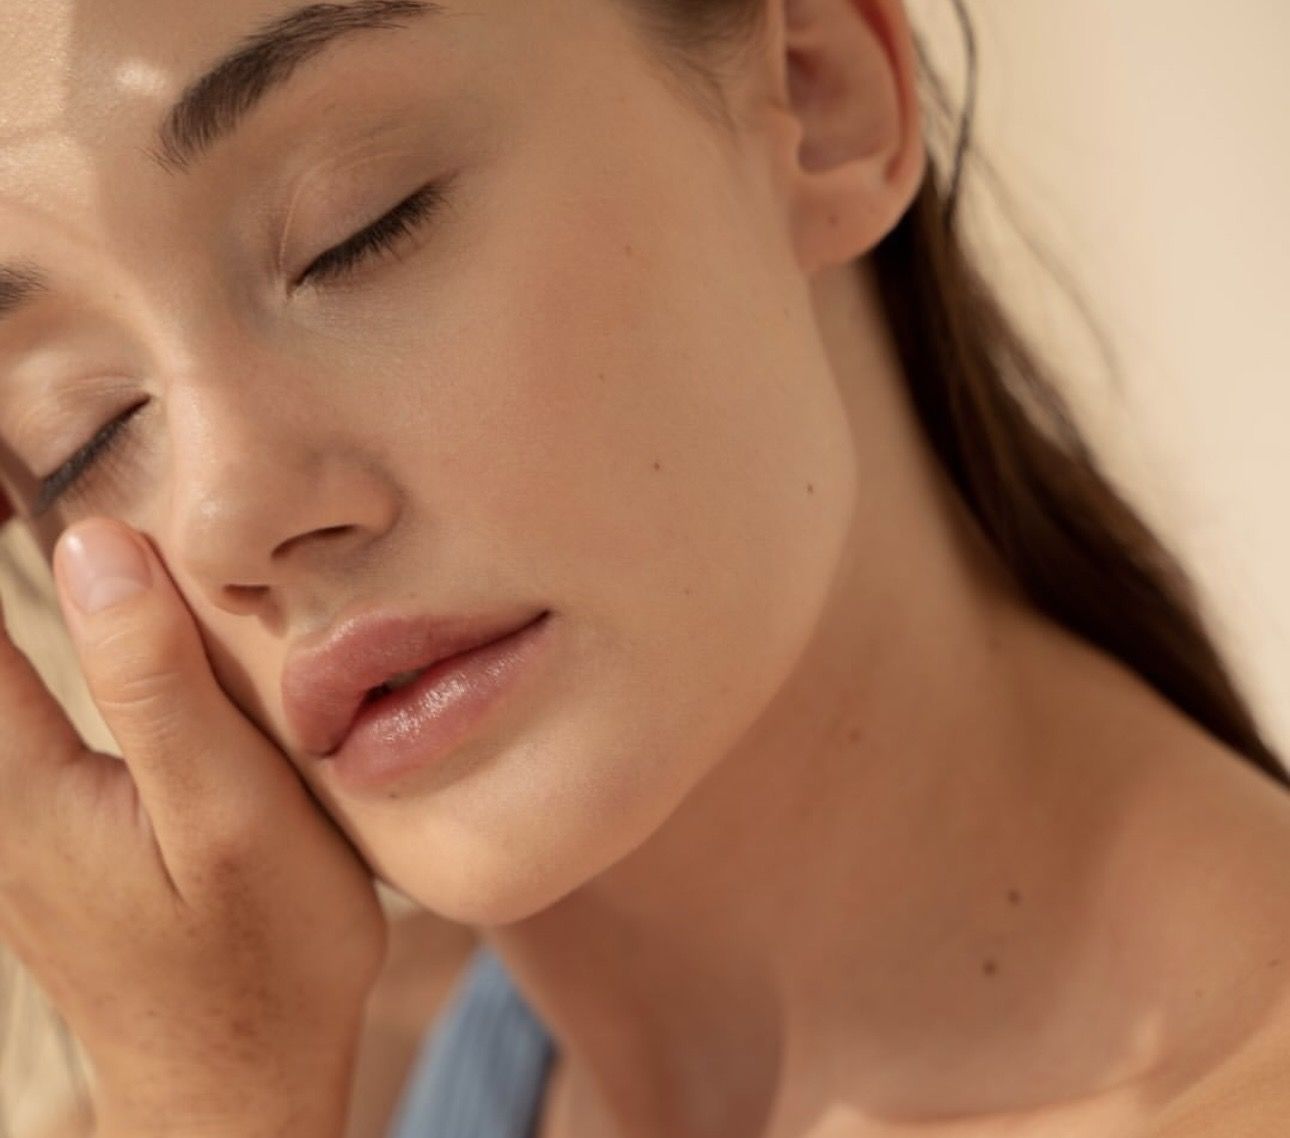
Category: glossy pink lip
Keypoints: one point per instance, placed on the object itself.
(324, 688)
(419, 725)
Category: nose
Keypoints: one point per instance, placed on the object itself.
(271, 495)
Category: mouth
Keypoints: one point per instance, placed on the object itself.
(375, 659)
(394, 683)
(419, 717)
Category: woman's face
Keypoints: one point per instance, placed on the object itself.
(590, 380)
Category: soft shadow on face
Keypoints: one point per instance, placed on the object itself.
(594, 384)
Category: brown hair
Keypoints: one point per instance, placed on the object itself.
(1077, 549)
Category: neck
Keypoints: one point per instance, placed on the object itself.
(884, 872)
(886, 891)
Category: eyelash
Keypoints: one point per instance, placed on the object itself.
(67, 477)
(381, 237)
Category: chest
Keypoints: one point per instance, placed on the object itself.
(1123, 1114)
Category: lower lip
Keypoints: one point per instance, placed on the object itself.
(419, 725)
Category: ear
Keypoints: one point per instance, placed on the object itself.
(846, 73)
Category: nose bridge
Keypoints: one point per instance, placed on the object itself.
(269, 477)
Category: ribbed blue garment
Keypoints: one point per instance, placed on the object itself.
(481, 1069)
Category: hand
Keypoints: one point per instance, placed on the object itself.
(205, 929)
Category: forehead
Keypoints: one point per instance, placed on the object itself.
(63, 58)
(94, 71)
(81, 67)
(88, 87)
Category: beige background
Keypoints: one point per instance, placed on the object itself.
(1146, 143)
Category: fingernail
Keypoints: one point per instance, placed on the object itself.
(103, 567)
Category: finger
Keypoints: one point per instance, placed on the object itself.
(36, 741)
(203, 770)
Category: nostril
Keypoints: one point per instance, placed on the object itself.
(324, 533)
(242, 596)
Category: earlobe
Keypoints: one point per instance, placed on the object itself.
(849, 73)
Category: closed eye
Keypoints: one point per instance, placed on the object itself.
(383, 236)
(69, 477)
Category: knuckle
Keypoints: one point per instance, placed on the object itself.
(149, 695)
(14, 872)
(231, 842)
(29, 824)
(24, 871)
(134, 679)
(136, 665)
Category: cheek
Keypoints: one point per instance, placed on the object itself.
(682, 458)
(668, 464)
(673, 459)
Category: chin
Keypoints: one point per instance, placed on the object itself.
(522, 864)
(535, 814)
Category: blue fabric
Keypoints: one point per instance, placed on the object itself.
(482, 1067)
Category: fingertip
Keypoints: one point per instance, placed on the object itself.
(101, 563)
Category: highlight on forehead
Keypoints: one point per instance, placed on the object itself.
(213, 105)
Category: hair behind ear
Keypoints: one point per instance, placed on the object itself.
(994, 416)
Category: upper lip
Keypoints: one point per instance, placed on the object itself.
(323, 687)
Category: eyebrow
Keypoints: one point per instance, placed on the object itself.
(18, 286)
(213, 105)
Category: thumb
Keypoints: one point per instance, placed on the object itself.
(201, 768)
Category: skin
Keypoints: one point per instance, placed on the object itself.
(807, 824)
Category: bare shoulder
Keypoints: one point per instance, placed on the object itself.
(1239, 911)
(1248, 1097)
